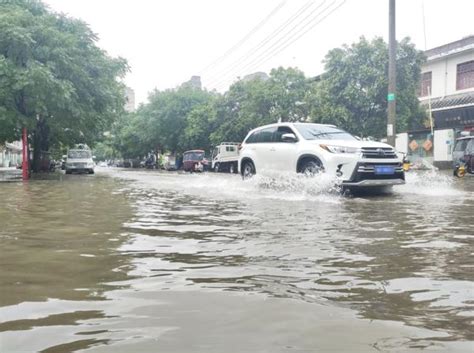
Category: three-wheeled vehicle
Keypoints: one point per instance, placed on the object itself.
(195, 161)
(463, 156)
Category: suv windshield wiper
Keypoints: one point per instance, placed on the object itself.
(326, 133)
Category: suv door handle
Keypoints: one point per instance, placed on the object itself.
(273, 149)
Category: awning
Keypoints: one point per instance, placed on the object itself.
(13, 147)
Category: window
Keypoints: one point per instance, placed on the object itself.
(323, 132)
(425, 89)
(230, 148)
(465, 75)
(282, 130)
(461, 145)
(253, 138)
(79, 154)
(193, 156)
(470, 147)
(266, 135)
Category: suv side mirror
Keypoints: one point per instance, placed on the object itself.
(289, 137)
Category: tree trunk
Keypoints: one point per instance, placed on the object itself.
(40, 145)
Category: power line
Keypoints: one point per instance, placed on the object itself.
(287, 43)
(302, 34)
(243, 39)
(261, 45)
(268, 38)
(285, 39)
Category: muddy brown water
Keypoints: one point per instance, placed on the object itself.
(144, 261)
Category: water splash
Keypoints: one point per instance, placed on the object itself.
(281, 186)
(430, 183)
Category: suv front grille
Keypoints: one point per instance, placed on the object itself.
(378, 153)
(366, 171)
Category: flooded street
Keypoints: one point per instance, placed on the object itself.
(146, 261)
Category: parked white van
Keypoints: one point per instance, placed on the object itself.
(79, 160)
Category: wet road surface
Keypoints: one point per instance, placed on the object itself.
(143, 261)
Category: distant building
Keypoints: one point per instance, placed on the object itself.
(194, 82)
(130, 99)
(447, 87)
(256, 76)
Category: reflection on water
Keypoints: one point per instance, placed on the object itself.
(87, 262)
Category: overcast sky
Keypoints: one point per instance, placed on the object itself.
(168, 41)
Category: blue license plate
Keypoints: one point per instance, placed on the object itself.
(384, 170)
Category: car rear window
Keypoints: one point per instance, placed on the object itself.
(193, 156)
(79, 154)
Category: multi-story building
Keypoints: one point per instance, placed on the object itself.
(447, 94)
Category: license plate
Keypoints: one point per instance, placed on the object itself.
(384, 170)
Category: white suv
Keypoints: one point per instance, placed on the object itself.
(313, 148)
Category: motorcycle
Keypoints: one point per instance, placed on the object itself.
(149, 164)
(463, 156)
(462, 168)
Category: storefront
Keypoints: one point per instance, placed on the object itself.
(460, 119)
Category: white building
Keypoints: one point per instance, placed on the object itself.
(11, 154)
(447, 90)
(129, 100)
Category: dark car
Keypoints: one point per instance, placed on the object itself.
(195, 161)
(463, 156)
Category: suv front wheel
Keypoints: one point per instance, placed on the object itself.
(311, 167)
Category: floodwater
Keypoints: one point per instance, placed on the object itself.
(146, 261)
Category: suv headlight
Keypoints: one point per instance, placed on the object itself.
(340, 149)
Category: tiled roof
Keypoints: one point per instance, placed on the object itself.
(466, 43)
(455, 100)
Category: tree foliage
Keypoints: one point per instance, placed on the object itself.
(353, 90)
(186, 118)
(59, 84)
(54, 79)
(350, 94)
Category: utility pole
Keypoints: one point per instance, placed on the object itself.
(24, 164)
(392, 75)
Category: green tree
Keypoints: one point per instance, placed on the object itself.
(200, 123)
(128, 135)
(353, 90)
(54, 80)
(166, 116)
(249, 104)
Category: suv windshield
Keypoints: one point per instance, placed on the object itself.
(321, 132)
(79, 154)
